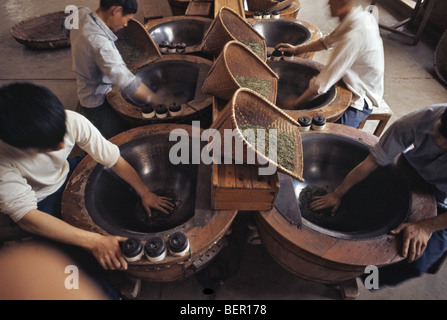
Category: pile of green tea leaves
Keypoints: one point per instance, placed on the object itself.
(128, 51)
(261, 86)
(254, 46)
(285, 144)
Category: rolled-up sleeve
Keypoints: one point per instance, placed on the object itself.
(16, 196)
(397, 139)
(113, 67)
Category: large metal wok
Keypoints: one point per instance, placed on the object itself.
(371, 208)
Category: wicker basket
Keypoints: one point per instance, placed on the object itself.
(268, 5)
(228, 26)
(135, 38)
(237, 60)
(249, 108)
(440, 58)
(46, 31)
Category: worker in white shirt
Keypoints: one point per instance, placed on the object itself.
(37, 135)
(357, 59)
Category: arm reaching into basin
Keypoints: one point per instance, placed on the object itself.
(314, 46)
(359, 173)
(149, 200)
(421, 138)
(105, 249)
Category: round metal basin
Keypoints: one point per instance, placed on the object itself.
(294, 78)
(97, 200)
(116, 208)
(282, 31)
(335, 249)
(171, 81)
(370, 209)
(189, 30)
(174, 79)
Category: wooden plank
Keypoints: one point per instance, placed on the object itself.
(235, 5)
(227, 176)
(156, 9)
(199, 9)
(243, 177)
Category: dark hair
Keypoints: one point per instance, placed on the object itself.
(31, 116)
(129, 6)
(443, 126)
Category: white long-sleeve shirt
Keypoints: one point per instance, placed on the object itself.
(27, 176)
(357, 58)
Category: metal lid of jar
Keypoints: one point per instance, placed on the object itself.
(155, 247)
(131, 248)
(178, 242)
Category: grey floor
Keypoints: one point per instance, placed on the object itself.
(410, 83)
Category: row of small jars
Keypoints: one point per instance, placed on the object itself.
(258, 15)
(155, 249)
(166, 47)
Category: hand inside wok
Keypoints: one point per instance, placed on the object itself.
(151, 200)
(330, 200)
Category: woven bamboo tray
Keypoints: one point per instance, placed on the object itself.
(229, 26)
(45, 31)
(440, 58)
(237, 60)
(249, 108)
(268, 5)
(136, 46)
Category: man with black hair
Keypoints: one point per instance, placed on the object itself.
(99, 66)
(421, 138)
(357, 58)
(37, 136)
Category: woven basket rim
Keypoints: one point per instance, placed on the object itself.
(244, 47)
(252, 92)
(285, 116)
(27, 40)
(219, 16)
(151, 44)
(34, 18)
(239, 44)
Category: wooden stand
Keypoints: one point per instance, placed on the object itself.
(383, 114)
(289, 12)
(429, 4)
(240, 187)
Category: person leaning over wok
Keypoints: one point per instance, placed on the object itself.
(357, 59)
(98, 64)
(421, 137)
(37, 135)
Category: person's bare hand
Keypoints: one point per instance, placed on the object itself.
(415, 238)
(106, 249)
(286, 47)
(331, 200)
(151, 200)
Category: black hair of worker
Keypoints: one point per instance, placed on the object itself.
(31, 116)
(443, 126)
(129, 6)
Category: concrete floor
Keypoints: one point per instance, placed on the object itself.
(251, 274)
